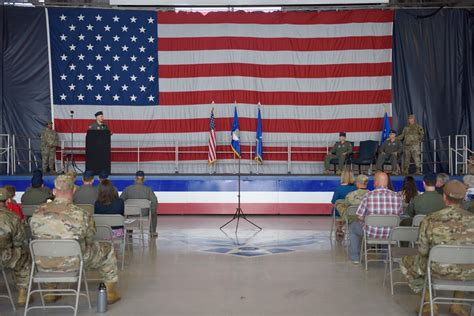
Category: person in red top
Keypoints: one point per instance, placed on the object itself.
(11, 203)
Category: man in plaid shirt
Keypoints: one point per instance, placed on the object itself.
(380, 201)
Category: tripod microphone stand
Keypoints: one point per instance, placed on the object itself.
(239, 213)
(71, 161)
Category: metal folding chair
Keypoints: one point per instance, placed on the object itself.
(377, 221)
(448, 254)
(417, 220)
(109, 221)
(333, 223)
(54, 249)
(395, 252)
(9, 296)
(137, 209)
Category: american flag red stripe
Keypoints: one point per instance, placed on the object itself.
(315, 74)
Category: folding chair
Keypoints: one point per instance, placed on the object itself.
(333, 223)
(417, 220)
(109, 221)
(351, 211)
(448, 254)
(137, 208)
(88, 207)
(395, 252)
(28, 210)
(377, 221)
(9, 296)
(54, 249)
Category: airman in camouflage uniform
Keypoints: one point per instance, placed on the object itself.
(49, 141)
(340, 150)
(391, 148)
(37, 193)
(449, 226)
(61, 219)
(353, 198)
(411, 136)
(99, 123)
(13, 252)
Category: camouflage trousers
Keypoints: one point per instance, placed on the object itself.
(48, 156)
(393, 161)
(101, 256)
(327, 161)
(18, 259)
(414, 269)
(98, 255)
(410, 151)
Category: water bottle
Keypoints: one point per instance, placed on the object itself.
(102, 298)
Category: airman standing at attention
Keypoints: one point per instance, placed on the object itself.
(411, 136)
(49, 141)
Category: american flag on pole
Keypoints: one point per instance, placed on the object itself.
(153, 74)
(212, 155)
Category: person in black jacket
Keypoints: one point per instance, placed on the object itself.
(108, 202)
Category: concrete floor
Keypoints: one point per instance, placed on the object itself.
(291, 267)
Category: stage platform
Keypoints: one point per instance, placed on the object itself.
(217, 194)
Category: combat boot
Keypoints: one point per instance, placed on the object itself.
(49, 297)
(458, 309)
(112, 293)
(21, 301)
(418, 172)
(426, 308)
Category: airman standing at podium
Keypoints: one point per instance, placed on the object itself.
(99, 122)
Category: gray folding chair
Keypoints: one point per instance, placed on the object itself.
(28, 210)
(377, 221)
(137, 209)
(88, 207)
(54, 249)
(417, 220)
(109, 221)
(333, 222)
(9, 296)
(395, 252)
(448, 254)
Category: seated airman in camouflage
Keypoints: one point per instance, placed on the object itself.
(340, 150)
(14, 253)
(37, 193)
(353, 198)
(449, 226)
(61, 219)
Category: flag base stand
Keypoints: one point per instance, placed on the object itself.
(239, 214)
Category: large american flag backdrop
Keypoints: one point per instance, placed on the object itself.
(156, 74)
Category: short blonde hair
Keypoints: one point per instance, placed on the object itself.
(347, 177)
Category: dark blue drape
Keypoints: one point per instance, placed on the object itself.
(433, 73)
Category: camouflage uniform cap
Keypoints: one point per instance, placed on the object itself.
(362, 179)
(411, 116)
(3, 194)
(455, 189)
(468, 180)
(63, 183)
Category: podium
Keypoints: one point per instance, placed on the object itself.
(98, 151)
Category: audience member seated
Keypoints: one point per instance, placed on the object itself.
(353, 198)
(13, 253)
(346, 186)
(428, 202)
(11, 204)
(340, 151)
(108, 202)
(61, 219)
(380, 201)
(441, 180)
(139, 190)
(87, 193)
(468, 203)
(450, 226)
(36, 194)
(408, 190)
(103, 175)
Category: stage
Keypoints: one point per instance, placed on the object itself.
(214, 195)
